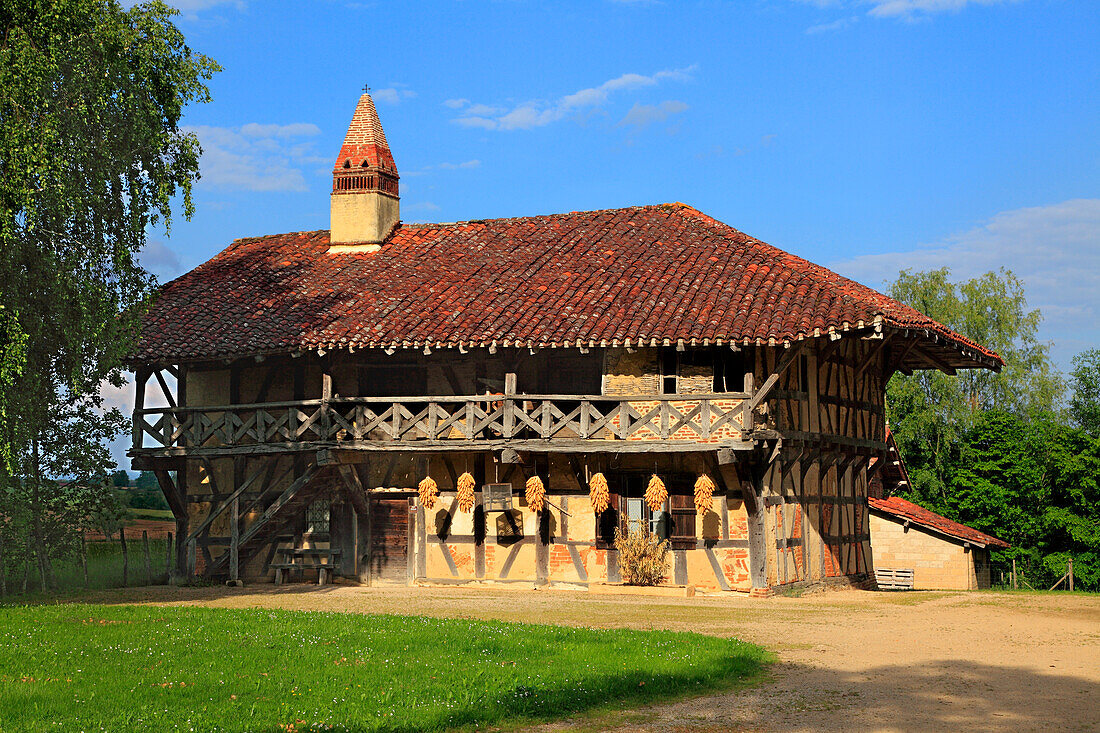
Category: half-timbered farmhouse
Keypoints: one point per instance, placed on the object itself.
(312, 382)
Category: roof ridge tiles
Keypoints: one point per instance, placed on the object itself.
(655, 270)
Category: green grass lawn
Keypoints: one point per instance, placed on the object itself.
(84, 667)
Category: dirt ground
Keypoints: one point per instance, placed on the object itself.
(848, 660)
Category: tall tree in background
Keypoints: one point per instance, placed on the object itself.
(91, 155)
(929, 411)
(1084, 405)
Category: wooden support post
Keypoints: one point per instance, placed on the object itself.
(1015, 584)
(148, 558)
(234, 540)
(141, 376)
(421, 568)
(168, 556)
(1069, 572)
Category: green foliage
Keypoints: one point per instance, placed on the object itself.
(1085, 383)
(643, 556)
(992, 450)
(144, 668)
(91, 155)
(1035, 483)
(930, 411)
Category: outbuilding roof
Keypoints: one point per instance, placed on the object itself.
(899, 508)
(637, 276)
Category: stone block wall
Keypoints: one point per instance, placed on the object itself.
(937, 562)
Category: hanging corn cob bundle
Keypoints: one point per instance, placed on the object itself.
(428, 492)
(599, 494)
(465, 490)
(656, 494)
(536, 494)
(704, 493)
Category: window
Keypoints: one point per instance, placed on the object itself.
(693, 371)
(729, 374)
(317, 517)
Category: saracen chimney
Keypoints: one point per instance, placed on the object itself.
(365, 202)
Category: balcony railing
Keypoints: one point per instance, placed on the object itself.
(445, 421)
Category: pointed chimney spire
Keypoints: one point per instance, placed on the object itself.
(365, 203)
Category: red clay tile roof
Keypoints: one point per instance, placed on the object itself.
(902, 509)
(633, 276)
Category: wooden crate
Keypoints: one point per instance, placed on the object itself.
(894, 578)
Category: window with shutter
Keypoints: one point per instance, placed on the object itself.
(682, 532)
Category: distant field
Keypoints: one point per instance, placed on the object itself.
(82, 667)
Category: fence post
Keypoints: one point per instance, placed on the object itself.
(1070, 573)
(125, 557)
(1015, 585)
(168, 557)
(148, 559)
(84, 555)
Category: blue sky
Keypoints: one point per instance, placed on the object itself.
(866, 135)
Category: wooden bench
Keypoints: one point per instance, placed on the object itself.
(293, 559)
(894, 578)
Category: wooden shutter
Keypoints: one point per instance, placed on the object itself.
(683, 521)
(609, 520)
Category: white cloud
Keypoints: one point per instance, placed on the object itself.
(458, 166)
(916, 8)
(1054, 249)
(641, 115)
(297, 129)
(531, 114)
(836, 25)
(392, 95)
(256, 157)
(904, 9)
(159, 259)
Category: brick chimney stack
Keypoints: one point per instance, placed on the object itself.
(365, 201)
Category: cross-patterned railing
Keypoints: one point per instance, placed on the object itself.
(707, 418)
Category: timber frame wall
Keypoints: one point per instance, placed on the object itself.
(243, 447)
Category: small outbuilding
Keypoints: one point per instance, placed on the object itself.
(910, 541)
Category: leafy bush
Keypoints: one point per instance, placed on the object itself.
(643, 557)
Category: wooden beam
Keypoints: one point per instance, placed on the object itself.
(355, 490)
(164, 388)
(277, 505)
(873, 354)
(233, 497)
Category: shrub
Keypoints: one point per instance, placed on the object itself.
(643, 557)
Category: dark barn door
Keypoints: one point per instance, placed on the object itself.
(389, 539)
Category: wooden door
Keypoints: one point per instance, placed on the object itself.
(389, 539)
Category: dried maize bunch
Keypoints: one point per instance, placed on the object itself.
(704, 493)
(465, 490)
(656, 494)
(598, 493)
(428, 492)
(536, 494)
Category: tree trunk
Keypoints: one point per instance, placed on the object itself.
(41, 551)
(3, 570)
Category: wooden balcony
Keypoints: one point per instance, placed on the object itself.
(523, 422)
